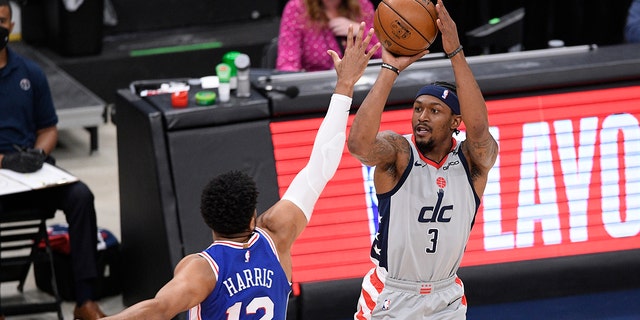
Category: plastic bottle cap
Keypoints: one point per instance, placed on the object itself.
(223, 71)
(229, 58)
(205, 98)
(180, 99)
(242, 62)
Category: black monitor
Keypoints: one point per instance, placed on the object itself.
(499, 35)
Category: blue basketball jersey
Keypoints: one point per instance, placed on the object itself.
(251, 283)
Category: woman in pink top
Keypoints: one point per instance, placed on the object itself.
(309, 28)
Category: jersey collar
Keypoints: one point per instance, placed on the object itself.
(430, 162)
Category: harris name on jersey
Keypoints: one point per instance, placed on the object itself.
(248, 278)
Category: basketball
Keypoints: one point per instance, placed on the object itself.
(406, 27)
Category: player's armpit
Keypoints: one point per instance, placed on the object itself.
(481, 153)
(284, 222)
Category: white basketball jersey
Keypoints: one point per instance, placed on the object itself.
(426, 219)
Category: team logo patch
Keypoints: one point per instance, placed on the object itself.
(425, 288)
(441, 182)
(25, 84)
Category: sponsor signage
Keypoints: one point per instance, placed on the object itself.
(566, 182)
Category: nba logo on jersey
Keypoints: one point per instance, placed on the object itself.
(372, 200)
(386, 304)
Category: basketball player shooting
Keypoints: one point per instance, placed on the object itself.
(428, 185)
(246, 272)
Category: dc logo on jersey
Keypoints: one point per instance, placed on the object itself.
(371, 199)
(436, 213)
(25, 84)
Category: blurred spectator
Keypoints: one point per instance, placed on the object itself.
(309, 28)
(632, 28)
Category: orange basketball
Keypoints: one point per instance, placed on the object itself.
(406, 27)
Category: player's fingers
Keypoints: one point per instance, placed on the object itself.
(369, 36)
(360, 33)
(440, 24)
(350, 36)
(334, 56)
(441, 7)
(421, 54)
(373, 50)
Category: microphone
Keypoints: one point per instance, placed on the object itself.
(291, 91)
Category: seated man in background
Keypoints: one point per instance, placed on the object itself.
(28, 134)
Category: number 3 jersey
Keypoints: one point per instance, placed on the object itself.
(251, 283)
(426, 219)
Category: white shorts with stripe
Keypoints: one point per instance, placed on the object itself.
(386, 298)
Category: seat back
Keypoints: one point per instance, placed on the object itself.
(270, 54)
(21, 233)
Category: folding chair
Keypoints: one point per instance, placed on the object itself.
(21, 232)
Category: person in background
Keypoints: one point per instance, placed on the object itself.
(310, 27)
(246, 272)
(632, 27)
(429, 187)
(28, 134)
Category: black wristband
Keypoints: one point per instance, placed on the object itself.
(456, 51)
(390, 67)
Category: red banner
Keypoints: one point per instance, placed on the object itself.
(566, 182)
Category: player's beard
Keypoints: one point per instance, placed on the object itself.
(425, 146)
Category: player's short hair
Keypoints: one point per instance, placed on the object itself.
(445, 84)
(229, 202)
(5, 3)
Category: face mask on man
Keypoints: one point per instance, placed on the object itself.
(4, 37)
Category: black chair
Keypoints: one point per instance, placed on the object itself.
(270, 54)
(22, 233)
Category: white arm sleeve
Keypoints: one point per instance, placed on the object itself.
(325, 157)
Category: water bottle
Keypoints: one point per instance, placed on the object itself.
(242, 63)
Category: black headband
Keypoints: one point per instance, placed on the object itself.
(447, 96)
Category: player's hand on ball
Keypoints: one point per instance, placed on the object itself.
(401, 62)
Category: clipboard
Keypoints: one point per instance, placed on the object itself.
(48, 176)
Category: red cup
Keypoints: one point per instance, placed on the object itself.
(180, 99)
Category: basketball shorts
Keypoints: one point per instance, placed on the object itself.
(387, 298)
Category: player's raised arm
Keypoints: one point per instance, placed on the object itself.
(479, 146)
(286, 220)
